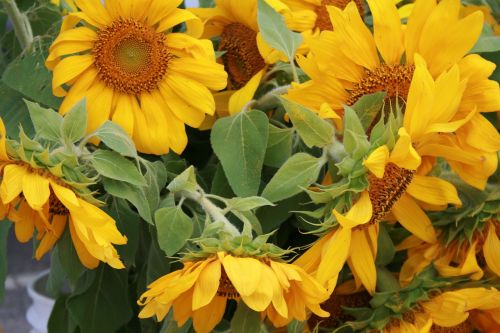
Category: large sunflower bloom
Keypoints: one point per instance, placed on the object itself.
(344, 65)
(121, 56)
(246, 54)
(282, 292)
(457, 258)
(450, 312)
(34, 199)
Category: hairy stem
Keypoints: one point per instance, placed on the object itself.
(22, 27)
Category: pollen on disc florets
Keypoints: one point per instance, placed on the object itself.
(323, 21)
(242, 58)
(226, 287)
(464, 327)
(130, 56)
(385, 192)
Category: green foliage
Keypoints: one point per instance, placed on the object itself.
(112, 165)
(355, 139)
(98, 303)
(240, 143)
(74, 124)
(300, 171)
(313, 130)
(116, 139)
(275, 32)
(4, 232)
(47, 122)
(279, 146)
(174, 228)
(245, 320)
(369, 107)
(487, 45)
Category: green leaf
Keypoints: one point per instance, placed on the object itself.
(70, 263)
(186, 181)
(313, 130)
(174, 229)
(355, 140)
(14, 112)
(4, 232)
(116, 138)
(487, 45)
(102, 306)
(170, 325)
(245, 320)
(57, 277)
(112, 165)
(28, 75)
(386, 249)
(47, 122)
(158, 264)
(136, 196)
(240, 143)
(247, 204)
(279, 146)
(127, 222)
(271, 217)
(74, 123)
(60, 321)
(300, 171)
(275, 32)
(369, 107)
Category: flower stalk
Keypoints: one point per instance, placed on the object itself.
(22, 27)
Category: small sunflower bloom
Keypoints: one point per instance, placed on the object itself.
(123, 58)
(201, 289)
(36, 200)
(350, 62)
(246, 54)
(450, 311)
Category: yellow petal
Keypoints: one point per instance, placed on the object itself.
(388, 32)
(84, 255)
(360, 213)
(68, 69)
(260, 299)
(363, 260)
(241, 97)
(36, 190)
(433, 190)
(377, 161)
(204, 71)
(124, 112)
(207, 284)
(206, 318)
(334, 257)
(491, 251)
(11, 186)
(3, 139)
(244, 273)
(414, 219)
(416, 21)
(403, 154)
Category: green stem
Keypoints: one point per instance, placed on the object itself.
(22, 27)
(215, 213)
(294, 71)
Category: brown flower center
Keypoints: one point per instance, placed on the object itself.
(393, 79)
(226, 288)
(56, 207)
(335, 305)
(385, 192)
(323, 18)
(464, 327)
(242, 58)
(131, 57)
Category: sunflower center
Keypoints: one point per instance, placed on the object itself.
(464, 327)
(131, 57)
(56, 207)
(385, 192)
(226, 288)
(323, 21)
(335, 305)
(242, 58)
(393, 79)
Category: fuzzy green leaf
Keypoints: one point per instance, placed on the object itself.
(355, 139)
(369, 107)
(112, 165)
(136, 196)
(174, 229)
(47, 122)
(279, 146)
(186, 181)
(275, 32)
(300, 171)
(487, 44)
(74, 124)
(313, 130)
(247, 204)
(4, 232)
(245, 320)
(240, 143)
(116, 138)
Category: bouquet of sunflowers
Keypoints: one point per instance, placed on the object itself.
(255, 165)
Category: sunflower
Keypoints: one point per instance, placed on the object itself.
(66, 4)
(200, 290)
(344, 65)
(123, 58)
(449, 312)
(395, 186)
(245, 53)
(36, 200)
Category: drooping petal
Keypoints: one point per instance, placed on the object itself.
(12, 185)
(241, 97)
(206, 318)
(244, 273)
(36, 190)
(433, 190)
(207, 284)
(491, 250)
(377, 161)
(414, 219)
(363, 260)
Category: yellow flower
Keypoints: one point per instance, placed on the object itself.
(123, 58)
(345, 65)
(449, 312)
(34, 199)
(282, 292)
(69, 3)
(246, 54)
(454, 259)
